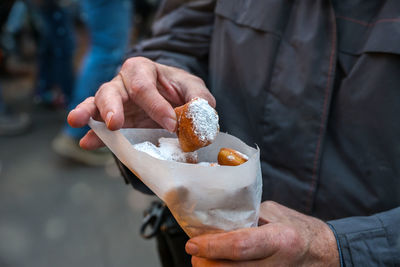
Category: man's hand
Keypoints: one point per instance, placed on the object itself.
(285, 238)
(142, 95)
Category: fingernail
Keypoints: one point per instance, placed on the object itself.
(169, 124)
(109, 118)
(192, 248)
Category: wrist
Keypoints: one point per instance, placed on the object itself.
(341, 261)
(332, 254)
(324, 246)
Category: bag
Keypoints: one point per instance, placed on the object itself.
(203, 199)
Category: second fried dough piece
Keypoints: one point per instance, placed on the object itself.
(197, 124)
(231, 157)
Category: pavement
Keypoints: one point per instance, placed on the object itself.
(58, 213)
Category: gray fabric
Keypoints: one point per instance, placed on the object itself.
(371, 240)
(316, 87)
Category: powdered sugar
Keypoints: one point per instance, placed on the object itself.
(205, 119)
(169, 149)
(208, 164)
(150, 149)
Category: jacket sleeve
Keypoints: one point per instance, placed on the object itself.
(181, 35)
(369, 241)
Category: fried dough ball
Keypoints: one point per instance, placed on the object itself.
(197, 124)
(230, 157)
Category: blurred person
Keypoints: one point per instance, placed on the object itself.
(12, 15)
(55, 77)
(18, 36)
(316, 85)
(109, 25)
(12, 123)
(5, 7)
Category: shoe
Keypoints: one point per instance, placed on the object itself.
(14, 124)
(69, 148)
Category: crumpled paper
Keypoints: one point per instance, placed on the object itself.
(203, 199)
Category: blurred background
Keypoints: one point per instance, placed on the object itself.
(60, 205)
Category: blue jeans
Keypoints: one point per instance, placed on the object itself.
(56, 51)
(109, 25)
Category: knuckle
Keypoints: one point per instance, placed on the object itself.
(198, 80)
(138, 88)
(272, 203)
(269, 204)
(89, 99)
(102, 88)
(142, 60)
(240, 248)
(129, 63)
(135, 61)
(86, 102)
(291, 239)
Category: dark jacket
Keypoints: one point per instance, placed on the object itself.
(316, 85)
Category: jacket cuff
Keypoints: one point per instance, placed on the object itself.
(338, 244)
(362, 240)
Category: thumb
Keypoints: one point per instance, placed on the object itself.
(243, 244)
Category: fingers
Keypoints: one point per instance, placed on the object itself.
(110, 99)
(201, 262)
(79, 116)
(271, 212)
(141, 84)
(140, 79)
(198, 90)
(108, 102)
(243, 244)
(91, 141)
(185, 84)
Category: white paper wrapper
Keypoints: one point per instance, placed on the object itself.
(203, 199)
